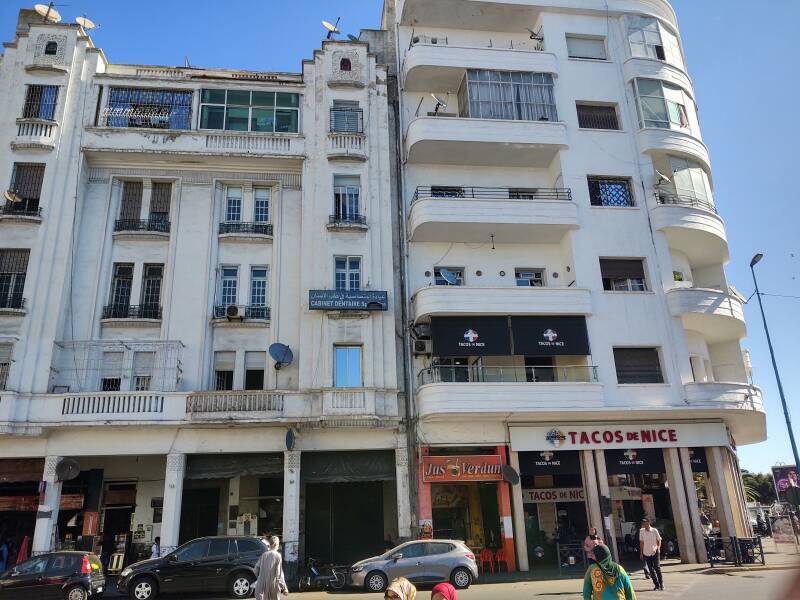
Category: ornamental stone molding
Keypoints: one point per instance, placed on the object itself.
(356, 72)
(50, 59)
(176, 463)
(293, 459)
(401, 456)
(289, 181)
(50, 464)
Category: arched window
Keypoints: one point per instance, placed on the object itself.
(51, 48)
(345, 65)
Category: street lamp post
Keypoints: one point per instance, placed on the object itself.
(756, 259)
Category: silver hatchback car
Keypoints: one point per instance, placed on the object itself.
(419, 561)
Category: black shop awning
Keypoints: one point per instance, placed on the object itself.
(347, 466)
(470, 336)
(550, 336)
(224, 466)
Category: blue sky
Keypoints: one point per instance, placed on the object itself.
(739, 58)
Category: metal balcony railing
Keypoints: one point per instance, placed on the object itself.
(128, 311)
(671, 199)
(245, 228)
(4, 368)
(14, 301)
(347, 120)
(236, 312)
(348, 219)
(535, 44)
(499, 193)
(157, 225)
(508, 374)
(27, 208)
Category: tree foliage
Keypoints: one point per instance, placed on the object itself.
(759, 487)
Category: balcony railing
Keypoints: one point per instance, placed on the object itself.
(531, 45)
(245, 228)
(347, 120)
(4, 368)
(669, 199)
(127, 311)
(226, 402)
(13, 301)
(508, 374)
(22, 209)
(351, 219)
(492, 193)
(156, 225)
(237, 312)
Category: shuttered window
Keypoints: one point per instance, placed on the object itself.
(224, 363)
(586, 47)
(40, 102)
(131, 207)
(160, 201)
(623, 275)
(143, 365)
(638, 365)
(5, 364)
(13, 269)
(26, 182)
(254, 366)
(596, 116)
(112, 372)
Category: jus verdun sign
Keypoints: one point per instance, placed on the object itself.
(454, 469)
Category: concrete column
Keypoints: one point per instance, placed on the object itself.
(47, 514)
(173, 496)
(518, 510)
(603, 489)
(718, 477)
(680, 510)
(403, 498)
(693, 505)
(742, 517)
(147, 198)
(234, 484)
(506, 520)
(425, 509)
(591, 490)
(291, 511)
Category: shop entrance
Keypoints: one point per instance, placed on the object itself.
(467, 511)
(199, 513)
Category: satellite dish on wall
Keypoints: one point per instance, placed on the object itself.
(450, 277)
(439, 104)
(662, 179)
(67, 468)
(331, 27)
(281, 354)
(86, 23)
(12, 196)
(48, 12)
(510, 475)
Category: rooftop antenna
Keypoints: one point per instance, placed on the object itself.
(86, 23)
(439, 104)
(48, 13)
(281, 354)
(186, 61)
(450, 277)
(333, 28)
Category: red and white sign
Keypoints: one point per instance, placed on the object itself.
(618, 436)
(31, 503)
(454, 469)
(539, 496)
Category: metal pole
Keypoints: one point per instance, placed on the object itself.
(775, 367)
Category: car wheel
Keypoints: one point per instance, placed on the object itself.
(241, 585)
(376, 582)
(461, 578)
(76, 592)
(143, 588)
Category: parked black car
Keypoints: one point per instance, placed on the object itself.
(209, 564)
(57, 575)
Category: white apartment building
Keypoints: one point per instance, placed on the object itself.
(565, 281)
(163, 229)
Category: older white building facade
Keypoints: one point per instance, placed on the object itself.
(566, 294)
(163, 229)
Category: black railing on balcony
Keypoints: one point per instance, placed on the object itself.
(347, 219)
(448, 191)
(508, 374)
(688, 201)
(247, 228)
(236, 312)
(22, 209)
(14, 301)
(347, 120)
(157, 225)
(127, 311)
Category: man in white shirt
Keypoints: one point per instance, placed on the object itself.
(155, 549)
(650, 551)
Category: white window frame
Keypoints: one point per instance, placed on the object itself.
(348, 272)
(537, 275)
(586, 38)
(676, 113)
(228, 199)
(267, 199)
(222, 279)
(360, 348)
(253, 280)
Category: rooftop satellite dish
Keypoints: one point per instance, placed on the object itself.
(353, 38)
(332, 28)
(662, 179)
(67, 468)
(440, 104)
(450, 277)
(48, 12)
(86, 23)
(12, 196)
(281, 354)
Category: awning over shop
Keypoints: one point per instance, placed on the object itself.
(350, 466)
(224, 466)
(550, 336)
(470, 336)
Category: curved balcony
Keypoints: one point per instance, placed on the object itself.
(126, 315)
(461, 214)
(151, 229)
(692, 226)
(484, 142)
(35, 134)
(24, 212)
(438, 65)
(650, 68)
(654, 140)
(440, 300)
(741, 405)
(717, 315)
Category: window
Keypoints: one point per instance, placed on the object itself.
(597, 116)
(433, 548)
(32, 566)
(691, 181)
(242, 110)
(64, 564)
(121, 286)
(346, 197)
(111, 380)
(160, 202)
(529, 277)
(233, 204)
(413, 550)
(192, 551)
(258, 291)
(661, 104)
(345, 65)
(457, 272)
(40, 102)
(512, 95)
(143, 365)
(130, 208)
(26, 182)
(261, 197)
(247, 545)
(347, 366)
(609, 191)
(5, 364)
(347, 117)
(218, 547)
(229, 286)
(638, 365)
(151, 291)
(51, 48)
(347, 272)
(147, 108)
(254, 365)
(649, 38)
(579, 46)
(223, 370)
(13, 269)
(623, 275)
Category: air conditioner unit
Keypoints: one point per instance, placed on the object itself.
(422, 347)
(232, 312)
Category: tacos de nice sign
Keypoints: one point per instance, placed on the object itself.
(606, 436)
(453, 469)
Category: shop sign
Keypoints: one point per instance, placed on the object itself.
(782, 531)
(549, 462)
(697, 458)
(643, 460)
(553, 495)
(347, 300)
(786, 484)
(622, 437)
(31, 503)
(625, 492)
(454, 469)
(470, 336)
(550, 336)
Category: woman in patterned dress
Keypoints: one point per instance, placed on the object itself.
(605, 579)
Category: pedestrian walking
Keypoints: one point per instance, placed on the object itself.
(605, 579)
(589, 543)
(400, 589)
(270, 583)
(155, 549)
(443, 591)
(650, 552)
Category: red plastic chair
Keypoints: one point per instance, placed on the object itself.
(500, 558)
(487, 557)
